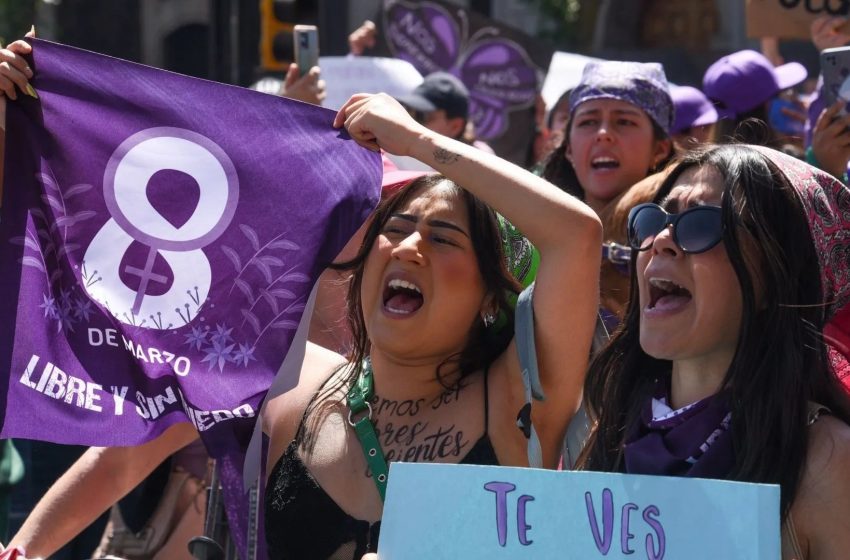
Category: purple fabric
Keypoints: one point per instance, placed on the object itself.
(159, 236)
(691, 441)
(644, 85)
(692, 108)
(741, 81)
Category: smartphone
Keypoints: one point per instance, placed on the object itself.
(306, 43)
(835, 67)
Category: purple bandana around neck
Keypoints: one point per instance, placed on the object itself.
(159, 237)
(692, 441)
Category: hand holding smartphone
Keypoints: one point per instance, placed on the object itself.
(835, 66)
(306, 39)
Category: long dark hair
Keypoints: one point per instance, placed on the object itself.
(780, 363)
(559, 171)
(484, 344)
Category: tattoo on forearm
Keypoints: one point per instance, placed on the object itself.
(444, 156)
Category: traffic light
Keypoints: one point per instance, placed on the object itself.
(277, 19)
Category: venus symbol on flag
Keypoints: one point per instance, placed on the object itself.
(185, 276)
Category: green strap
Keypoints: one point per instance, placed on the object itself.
(358, 402)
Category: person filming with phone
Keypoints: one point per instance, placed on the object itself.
(302, 81)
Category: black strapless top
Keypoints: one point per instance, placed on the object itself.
(302, 522)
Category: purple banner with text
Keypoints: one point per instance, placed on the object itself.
(159, 237)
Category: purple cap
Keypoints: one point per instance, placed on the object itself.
(692, 108)
(743, 80)
(644, 85)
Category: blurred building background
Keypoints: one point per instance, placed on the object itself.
(238, 41)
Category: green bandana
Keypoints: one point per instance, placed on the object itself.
(521, 258)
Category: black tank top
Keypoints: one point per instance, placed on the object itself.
(302, 522)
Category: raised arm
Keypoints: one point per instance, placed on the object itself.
(81, 495)
(567, 233)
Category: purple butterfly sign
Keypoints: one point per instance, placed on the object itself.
(501, 67)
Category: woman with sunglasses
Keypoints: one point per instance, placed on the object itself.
(617, 133)
(720, 368)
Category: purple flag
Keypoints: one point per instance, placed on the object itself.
(159, 236)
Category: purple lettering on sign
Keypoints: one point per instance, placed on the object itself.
(603, 543)
(501, 489)
(521, 526)
(649, 515)
(625, 535)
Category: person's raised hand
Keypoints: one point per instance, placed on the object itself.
(307, 88)
(14, 70)
(377, 121)
(14, 74)
(362, 38)
(831, 140)
(829, 32)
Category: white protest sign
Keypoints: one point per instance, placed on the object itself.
(492, 513)
(346, 75)
(564, 73)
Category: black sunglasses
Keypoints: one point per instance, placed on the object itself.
(696, 230)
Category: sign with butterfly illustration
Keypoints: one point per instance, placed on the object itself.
(502, 67)
(159, 236)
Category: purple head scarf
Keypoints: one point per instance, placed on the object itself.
(644, 85)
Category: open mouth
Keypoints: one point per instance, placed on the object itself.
(402, 297)
(664, 294)
(604, 162)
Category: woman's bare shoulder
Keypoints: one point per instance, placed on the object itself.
(318, 365)
(829, 452)
(821, 510)
(283, 413)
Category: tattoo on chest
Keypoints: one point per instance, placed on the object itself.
(405, 434)
(444, 156)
